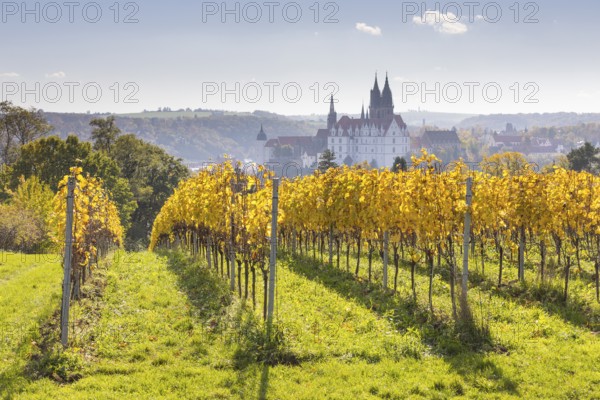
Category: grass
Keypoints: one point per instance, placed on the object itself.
(29, 292)
(161, 326)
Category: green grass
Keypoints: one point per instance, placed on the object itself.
(29, 292)
(164, 327)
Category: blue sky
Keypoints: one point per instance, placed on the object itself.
(543, 58)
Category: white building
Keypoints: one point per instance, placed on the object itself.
(377, 137)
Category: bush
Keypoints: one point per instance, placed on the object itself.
(24, 220)
(20, 230)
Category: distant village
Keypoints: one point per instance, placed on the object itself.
(379, 136)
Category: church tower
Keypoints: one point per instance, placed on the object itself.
(382, 103)
(375, 100)
(332, 118)
(387, 102)
(259, 149)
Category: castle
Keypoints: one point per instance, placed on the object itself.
(377, 137)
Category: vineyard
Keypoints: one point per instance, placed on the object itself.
(168, 324)
(409, 218)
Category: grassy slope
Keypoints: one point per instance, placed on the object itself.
(29, 292)
(169, 329)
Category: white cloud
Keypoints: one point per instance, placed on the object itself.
(59, 75)
(447, 24)
(587, 94)
(9, 75)
(371, 30)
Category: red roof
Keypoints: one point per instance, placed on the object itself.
(323, 133)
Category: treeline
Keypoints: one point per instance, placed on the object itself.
(192, 138)
(138, 176)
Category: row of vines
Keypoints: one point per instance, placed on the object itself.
(96, 224)
(223, 213)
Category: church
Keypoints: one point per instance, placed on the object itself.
(377, 137)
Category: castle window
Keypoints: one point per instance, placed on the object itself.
(394, 150)
(340, 140)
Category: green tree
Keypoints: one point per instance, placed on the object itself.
(153, 176)
(399, 164)
(327, 160)
(51, 158)
(18, 127)
(105, 133)
(585, 158)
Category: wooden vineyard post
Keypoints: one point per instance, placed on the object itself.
(466, 238)
(66, 295)
(386, 245)
(273, 256)
(232, 251)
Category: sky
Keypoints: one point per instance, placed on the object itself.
(288, 57)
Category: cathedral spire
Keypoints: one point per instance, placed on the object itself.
(332, 117)
(376, 85)
(386, 95)
(362, 112)
(262, 136)
(375, 98)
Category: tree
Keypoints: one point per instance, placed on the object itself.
(51, 158)
(585, 158)
(36, 198)
(327, 160)
(511, 162)
(399, 164)
(105, 133)
(153, 175)
(285, 151)
(18, 127)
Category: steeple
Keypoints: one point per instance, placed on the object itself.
(386, 95)
(362, 112)
(332, 117)
(375, 99)
(262, 136)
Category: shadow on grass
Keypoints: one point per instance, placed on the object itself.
(548, 296)
(462, 346)
(241, 327)
(208, 293)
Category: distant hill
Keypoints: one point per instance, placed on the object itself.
(521, 121)
(192, 136)
(202, 135)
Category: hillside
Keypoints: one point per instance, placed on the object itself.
(527, 121)
(194, 137)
